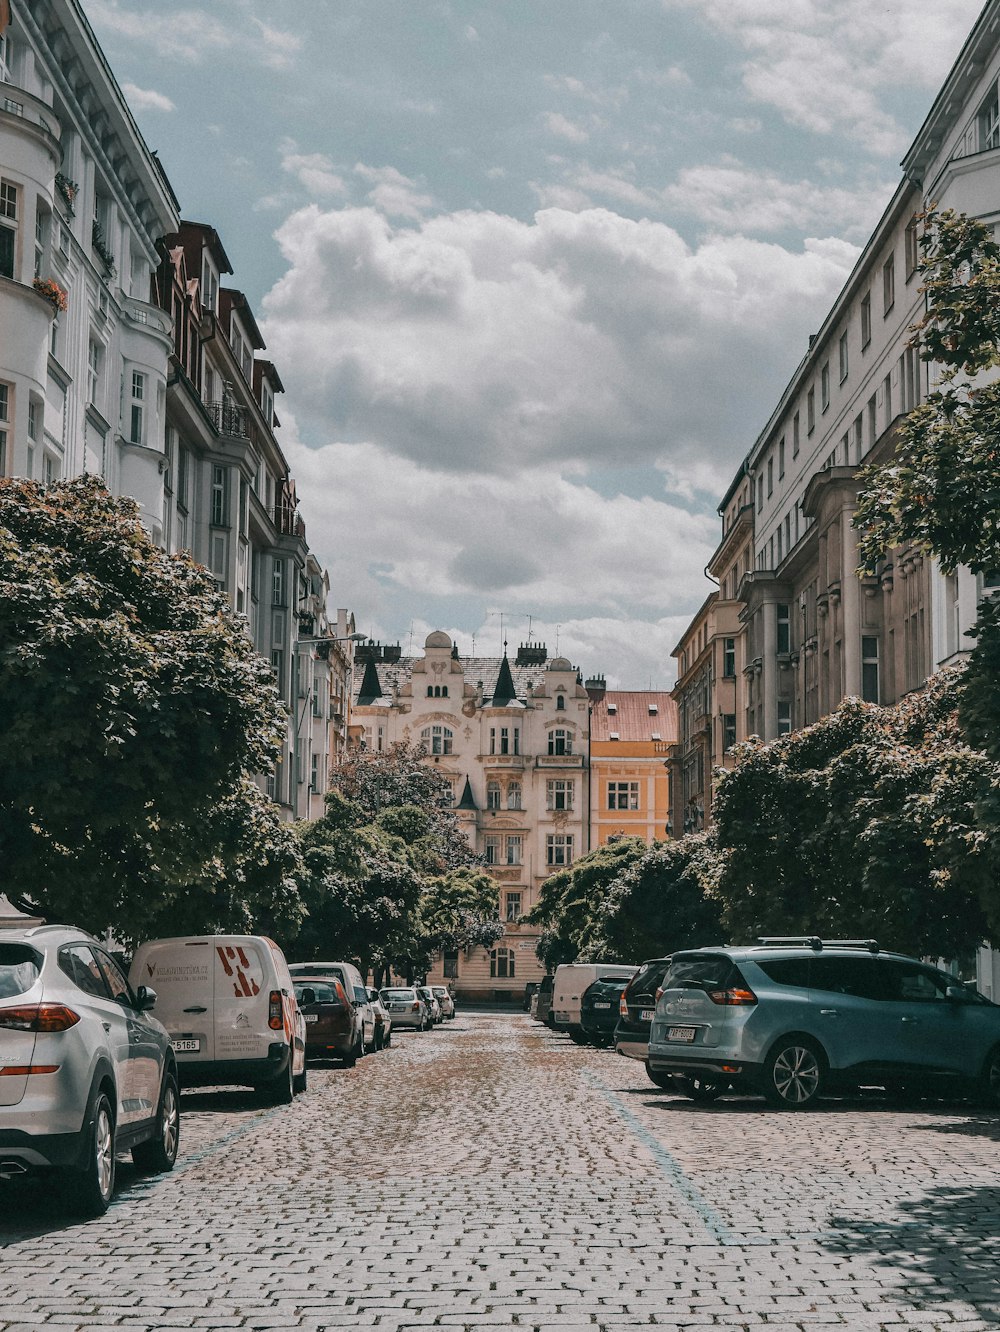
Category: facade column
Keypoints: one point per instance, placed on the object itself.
(769, 670)
(850, 599)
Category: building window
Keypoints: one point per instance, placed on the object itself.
(781, 457)
(729, 658)
(502, 964)
(137, 407)
(869, 670)
(866, 319)
(911, 248)
(94, 358)
(784, 717)
(220, 510)
(989, 121)
(560, 742)
(450, 960)
(810, 411)
(623, 795)
(512, 907)
(824, 383)
(783, 640)
(492, 795)
(888, 284)
(491, 848)
(560, 703)
(8, 225)
(728, 731)
(843, 356)
(438, 739)
(559, 849)
(760, 493)
(795, 435)
(278, 666)
(559, 794)
(887, 394)
(770, 477)
(278, 581)
(505, 740)
(4, 402)
(513, 849)
(514, 795)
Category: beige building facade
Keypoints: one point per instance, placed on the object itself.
(512, 738)
(632, 736)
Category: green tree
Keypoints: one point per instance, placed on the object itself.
(569, 900)
(862, 825)
(664, 901)
(461, 909)
(134, 710)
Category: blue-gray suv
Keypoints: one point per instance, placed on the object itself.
(794, 1017)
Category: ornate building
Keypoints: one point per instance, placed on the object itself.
(512, 738)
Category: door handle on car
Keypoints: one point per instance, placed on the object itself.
(909, 1019)
(196, 1008)
(828, 1012)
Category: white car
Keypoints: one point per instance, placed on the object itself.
(383, 1020)
(434, 1008)
(447, 1004)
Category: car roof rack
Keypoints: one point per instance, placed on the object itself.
(814, 942)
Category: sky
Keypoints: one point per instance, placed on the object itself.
(533, 272)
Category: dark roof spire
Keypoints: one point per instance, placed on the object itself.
(468, 800)
(504, 691)
(370, 688)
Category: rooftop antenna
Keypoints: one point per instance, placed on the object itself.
(558, 627)
(530, 618)
(409, 647)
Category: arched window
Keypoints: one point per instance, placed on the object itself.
(514, 795)
(430, 691)
(502, 964)
(443, 691)
(492, 795)
(560, 702)
(560, 742)
(437, 739)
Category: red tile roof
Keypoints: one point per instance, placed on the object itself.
(626, 713)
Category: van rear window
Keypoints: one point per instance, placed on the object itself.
(709, 969)
(647, 980)
(19, 969)
(317, 992)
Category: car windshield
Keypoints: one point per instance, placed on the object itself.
(399, 994)
(317, 992)
(439, 991)
(19, 969)
(647, 980)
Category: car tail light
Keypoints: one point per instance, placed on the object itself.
(274, 1014)
(623, 1006)
(659, 991)
(415, 1008)
(732, 998)
(39, 1017)
(24, 1070)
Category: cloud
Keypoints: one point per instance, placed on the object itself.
(196, 36)
(828, 68)
(394, 194)
(146, 99)
(565, 129)
(314, 171)
(477, 345)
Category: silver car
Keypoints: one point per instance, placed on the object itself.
(434, 1008)
(88, 1072)
(443, 995)
(792, 1017)
(406, 1008)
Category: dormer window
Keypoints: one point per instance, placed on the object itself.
(612, 709)
(209, 285)
(653, 709)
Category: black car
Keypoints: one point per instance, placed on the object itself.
(543, 1011)
(529, 992)
(635, 1010)
(599, 1009)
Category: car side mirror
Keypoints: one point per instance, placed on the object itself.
(957, 993)
(145, 999)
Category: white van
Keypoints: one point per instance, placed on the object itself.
(570, 982)
(228, 1002)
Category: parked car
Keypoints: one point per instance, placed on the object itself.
(429, 998)
(794, 1017)
(354, 987)
(383, 1022)
(599, 1009)
(567, 991)
(88, 1071)
(635, 1014)
(530, 990)
(228, 1003)
(533, 1007)
(543, 1006)
(405, 1007)
(332, 1023)
(447, 1004)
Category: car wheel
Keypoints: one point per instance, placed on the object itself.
(793, 1074)
(281, 1090)
(160, 1152)
(990, 1081)
(92, 1186)
(301, 1080)
(662, 1080)
(578, 1037)
(702, 1090)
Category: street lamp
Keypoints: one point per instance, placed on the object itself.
(299, 720)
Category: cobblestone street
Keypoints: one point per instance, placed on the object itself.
(493, 1174)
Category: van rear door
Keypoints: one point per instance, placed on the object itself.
(180, 971)
(244, 977)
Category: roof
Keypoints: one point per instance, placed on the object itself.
(626, 714)
(396, 674)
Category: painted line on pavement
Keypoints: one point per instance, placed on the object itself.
(669, 1167)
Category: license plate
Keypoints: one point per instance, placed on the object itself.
(602, 1005)
(647, 1014)
(312, 1017)
(680, 1034)
(189, 1045)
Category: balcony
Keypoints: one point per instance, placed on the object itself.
(231, 420)
(559, 761)
(288, 522)
(516, 761)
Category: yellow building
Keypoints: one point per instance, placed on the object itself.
(632, 735)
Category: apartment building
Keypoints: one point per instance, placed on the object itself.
(633, 733)
(512, 738)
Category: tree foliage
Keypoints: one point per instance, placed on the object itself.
(570, 899)
(862, 825)
(134, 710)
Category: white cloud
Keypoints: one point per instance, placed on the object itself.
(146, 99)
(197, 35)
(827, 67)
(314, 171)
(565, 129)
(478, 345)
(394, 194)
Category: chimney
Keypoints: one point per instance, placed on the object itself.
(596, 687)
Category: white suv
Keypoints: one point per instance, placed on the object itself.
(85, 1070)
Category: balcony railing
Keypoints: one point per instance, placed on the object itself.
(229, 419)
(286, 519)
